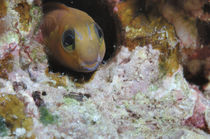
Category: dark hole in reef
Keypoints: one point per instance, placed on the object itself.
(204, 32)
(44, 93)
(206, 8)
(197, 79)
(99, 10)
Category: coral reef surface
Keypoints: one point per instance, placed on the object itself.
(140, 92)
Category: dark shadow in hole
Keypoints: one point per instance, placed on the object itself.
(108, 21)
(197, 79)
(78, 77)
(201, 53)
(206, 8)
(204, 32)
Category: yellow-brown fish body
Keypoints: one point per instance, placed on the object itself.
(73, 38)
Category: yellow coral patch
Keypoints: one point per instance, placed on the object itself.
(24, 11)
(57, 79)
(150, 28)
(6, 66)
(12, 110)
(3, 8)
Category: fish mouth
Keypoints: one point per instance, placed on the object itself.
(90, 66)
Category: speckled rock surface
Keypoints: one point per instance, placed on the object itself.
(130, 96)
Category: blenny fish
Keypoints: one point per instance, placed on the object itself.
(72, 37)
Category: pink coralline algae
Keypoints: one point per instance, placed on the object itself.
(114, 4)
(198, 118)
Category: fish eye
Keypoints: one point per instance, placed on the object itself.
(68, 40)
(98, 31)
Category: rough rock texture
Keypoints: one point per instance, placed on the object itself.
(127, 97)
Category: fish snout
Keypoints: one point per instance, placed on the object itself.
(89, 66)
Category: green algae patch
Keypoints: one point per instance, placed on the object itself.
(9, 37)
(70, 101)
(12, 110)
(36, 16)
(153, 88)
(3, 127)
(37, 54)
(46, 117)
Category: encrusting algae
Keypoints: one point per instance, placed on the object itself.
(142, 29)
(6, 66)
(24, 11)
(12, 110)
(46, 117)
(3, 8)
(3, 13)
(57, 79)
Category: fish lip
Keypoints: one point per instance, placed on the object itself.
(91, 66)
(86, 68)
